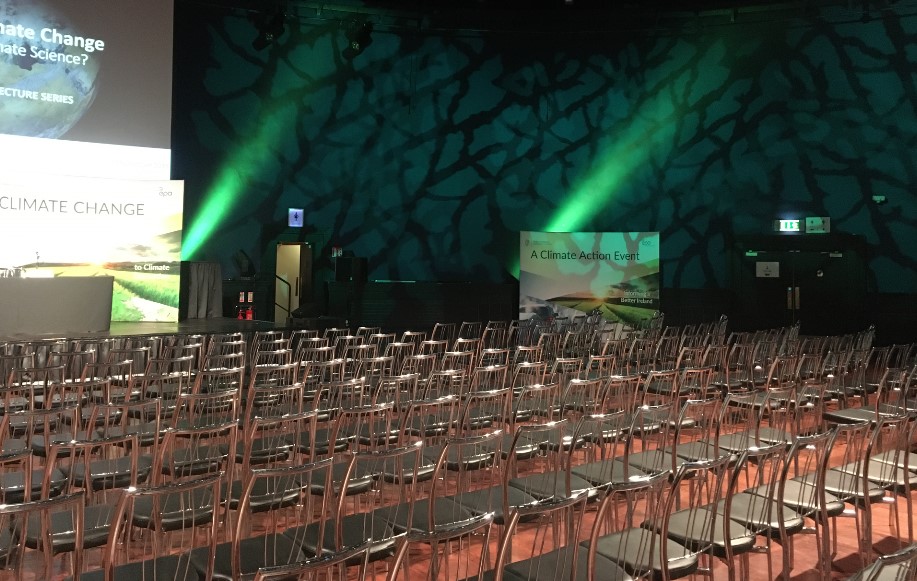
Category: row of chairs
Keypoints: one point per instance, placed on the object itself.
(769, 408)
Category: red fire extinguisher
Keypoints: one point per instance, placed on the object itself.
(240, 313)
(249, 313)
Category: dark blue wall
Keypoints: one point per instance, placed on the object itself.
(429, 152)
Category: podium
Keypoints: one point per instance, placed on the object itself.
(66, 305)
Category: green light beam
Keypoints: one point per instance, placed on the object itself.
(242, 167)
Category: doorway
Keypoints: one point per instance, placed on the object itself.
(818, 281)
(293, 282)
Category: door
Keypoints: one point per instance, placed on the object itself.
(816, 281)
(293, 282)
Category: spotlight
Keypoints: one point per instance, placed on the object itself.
(270, 27)
(359, 35)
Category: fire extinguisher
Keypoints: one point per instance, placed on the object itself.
(249, 313)
(240, 313)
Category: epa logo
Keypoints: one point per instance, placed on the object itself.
(165, 193)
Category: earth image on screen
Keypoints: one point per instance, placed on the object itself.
(34, 117)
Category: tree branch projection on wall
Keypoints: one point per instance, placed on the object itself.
(429, 152)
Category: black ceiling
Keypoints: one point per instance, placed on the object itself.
(565, 16)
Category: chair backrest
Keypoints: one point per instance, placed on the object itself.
(808, 457)
(221, 379)
(900, 565)
(177, 508)
(388, 489)
(444, 563)
(192, 451)
(584, 397)
(639, 495)
(279, 489)
(274, 375)
(555, 525)
(330, 565)
(27, 526)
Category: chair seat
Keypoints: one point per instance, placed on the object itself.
(96, 524)
(692, 528)
(177, 510)
(457, 459)
(526, 448)
(892, 457)
(166, 568)
(738, 442)
(606, 472)
(429, 426)
(146, 432)
(360, 481)
(355, 530)
(266, 450)
(110, 473)
(552, 485)
(320, 444)
(12, 485)
(413, 467)
(167, 390)
(255, 552)
(861, 414)
(40, 443)
(490, 499)
(597, 431)
(112, 417)
(630, 549)
(882, 474)
(378, 434)
(445, 511)
(845, 487)
(700, 451)
(558, 564)
(196, 461)
(769, 436)
(799, 496)
(267, 494)
(566, 442)
(748, 510)
(653, 461)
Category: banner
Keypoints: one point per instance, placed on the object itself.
(67, 226)
(564, 274)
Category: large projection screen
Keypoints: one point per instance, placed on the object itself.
(564, 274)
(86, 87)
(56, 226)
(85, 131)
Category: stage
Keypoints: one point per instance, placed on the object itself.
(187, 327)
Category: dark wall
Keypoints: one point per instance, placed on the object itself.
(430, 151)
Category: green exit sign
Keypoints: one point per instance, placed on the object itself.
(788, 226)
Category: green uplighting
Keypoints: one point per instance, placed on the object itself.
(242, 169)
(632, 150)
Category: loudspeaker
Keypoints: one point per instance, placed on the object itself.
(358, 270)
(350, 268)
(343, 266)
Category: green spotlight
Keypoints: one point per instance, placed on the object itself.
(242, 168)
(647, 132)
(595, 191)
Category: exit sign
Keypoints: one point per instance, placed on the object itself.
(788, 226)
